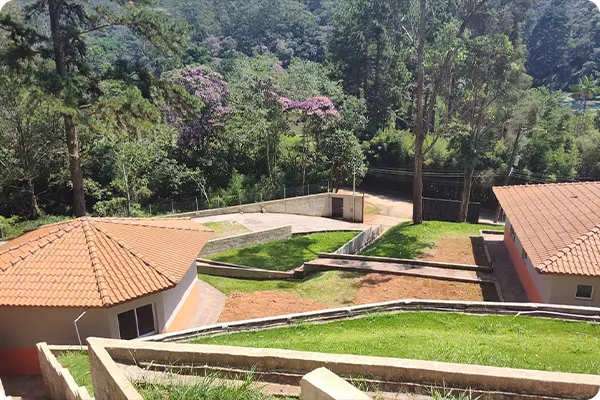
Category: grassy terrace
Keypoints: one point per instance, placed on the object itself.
(286, 254)
(503, 341)
(406, 240)
(334, 288)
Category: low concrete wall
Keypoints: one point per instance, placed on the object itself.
(108, 380)
(246, 239)
(322, 384)
(209, 267)
(58, 380)
(515, 383)
(315, 205)
(360, 241)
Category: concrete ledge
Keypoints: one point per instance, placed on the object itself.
(573, 313)
(209, 267)
(390, 260)
(516, 382)
(491, 231)
(322, 384)
(58, 380)
(246, 239)
(360, 241)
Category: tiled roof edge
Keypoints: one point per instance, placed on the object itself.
(134, 253)
(507, 187)
(96, 264)
(567, 249)
(122, 221)
(58, 231)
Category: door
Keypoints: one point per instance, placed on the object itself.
(337, 207)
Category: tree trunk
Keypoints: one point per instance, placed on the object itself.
(75, 166)
(418, 182)
(419, 124)
(70, 128)
(466, 194)
(34, 210)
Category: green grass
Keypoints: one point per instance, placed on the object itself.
(286, 254)
(334, 288)
(206, 388)
(78, 364)
(503, 341)
(406, 240)
(12, 227)
(371, 209)
(225, 228)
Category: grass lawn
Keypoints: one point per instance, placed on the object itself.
(225, 228)
(334, 288)
(503, 341)
(78, 364)
(285, 254)
(371, 209)
(406, 240)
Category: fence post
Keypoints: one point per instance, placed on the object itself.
(172, 207)
(196, 203)
(150, 205)
(240, 198)
(218, 203)
(284, 192)
(308, 188)
(261, 197)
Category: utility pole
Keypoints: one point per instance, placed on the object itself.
(515, 163)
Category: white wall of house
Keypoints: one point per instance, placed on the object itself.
(543, 283)
(173, 299)
(565, 286)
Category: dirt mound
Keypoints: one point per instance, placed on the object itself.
(467, 250)
(384, 287)
(268, 303)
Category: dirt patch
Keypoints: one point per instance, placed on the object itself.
(27, 387)
(384, 287)
(268, 303)
(466, 250)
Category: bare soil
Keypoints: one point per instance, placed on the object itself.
(465, 250)
(384, 287)
(373, 288)
(267, 303)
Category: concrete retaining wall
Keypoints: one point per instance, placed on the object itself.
(246, 239)
(58, 380)
(360, 241)
(315, 205)
(108, 380)
(564, 312)
(322, 384)
(216, 268)
(517, 383)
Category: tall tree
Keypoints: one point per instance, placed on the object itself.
(70, 22)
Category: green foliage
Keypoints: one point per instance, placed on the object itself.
(285, 254)
(78, 364)
(409, 241)
(502, 341)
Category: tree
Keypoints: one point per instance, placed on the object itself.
(345, 158)
(586, 89)
(70, 22)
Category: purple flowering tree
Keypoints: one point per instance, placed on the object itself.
(196, 105)
(317, 113)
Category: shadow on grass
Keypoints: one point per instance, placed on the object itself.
(398, 243)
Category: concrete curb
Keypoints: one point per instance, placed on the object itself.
(572, 313)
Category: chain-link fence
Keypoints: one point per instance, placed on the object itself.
(201, 202)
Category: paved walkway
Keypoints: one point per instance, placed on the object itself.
(25, 387)
(504, 271)
(209, 308)
(299, 223)
(395, 268)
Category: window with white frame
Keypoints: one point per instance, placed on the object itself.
(512, 233)
(137, 322)
(584, 292)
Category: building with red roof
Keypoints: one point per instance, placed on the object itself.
(552, 234)
(117, 278)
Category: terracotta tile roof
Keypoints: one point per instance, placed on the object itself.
(557, 224)
(97, 262)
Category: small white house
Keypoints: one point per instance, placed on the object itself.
(117, 278)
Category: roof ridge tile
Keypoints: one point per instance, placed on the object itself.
(96, 264)
(121, 221)
(583, 239)
(134, 253)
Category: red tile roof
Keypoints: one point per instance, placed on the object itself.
(97, 262)
(557, 224)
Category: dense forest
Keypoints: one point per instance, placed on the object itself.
(110, 106)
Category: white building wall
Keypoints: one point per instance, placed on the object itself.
(173, 299)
